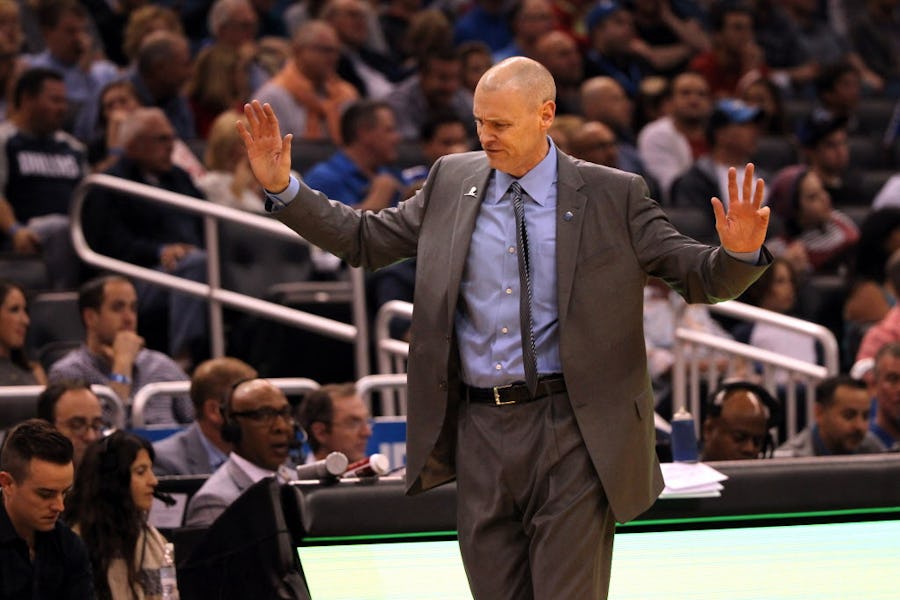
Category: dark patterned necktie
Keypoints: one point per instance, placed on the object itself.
(526, 324)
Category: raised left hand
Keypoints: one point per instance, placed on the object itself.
(743, 228)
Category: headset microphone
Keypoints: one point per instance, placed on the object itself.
(165, 498)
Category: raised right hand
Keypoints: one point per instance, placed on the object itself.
(268, 152)
(124, 350)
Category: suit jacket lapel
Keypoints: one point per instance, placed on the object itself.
(468, 202)
(197, 458)
(570, 202)
(241, 480)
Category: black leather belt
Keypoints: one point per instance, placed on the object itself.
(516, 393)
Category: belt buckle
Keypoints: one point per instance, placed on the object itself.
(496, 389)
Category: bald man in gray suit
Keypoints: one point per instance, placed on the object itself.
(544, 468)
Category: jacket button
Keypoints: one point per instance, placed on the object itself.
(443, 385)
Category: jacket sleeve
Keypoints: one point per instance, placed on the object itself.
(698, 272)
(363, 239)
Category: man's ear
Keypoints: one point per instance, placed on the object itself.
(90, 316)
(708, 427)
(212, 411)
(6, 479)
(317, 430)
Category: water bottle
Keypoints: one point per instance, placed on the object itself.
(684, 437)
(167, 581)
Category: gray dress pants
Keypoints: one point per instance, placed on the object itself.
(532, 518)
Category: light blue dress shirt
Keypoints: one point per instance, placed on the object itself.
(487, 316)
(215, 456)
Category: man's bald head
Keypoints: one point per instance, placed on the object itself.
(595, 142)
(738, 431)
(604, 99)
(744, 403)
(522, 74)
(598, 88)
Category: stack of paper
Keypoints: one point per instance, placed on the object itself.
(691, 480)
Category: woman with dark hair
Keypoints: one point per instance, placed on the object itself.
(15, 368)
(108, 508)
(817, 238)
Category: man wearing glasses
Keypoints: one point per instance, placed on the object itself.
(258, 422)
(75, 411)
(336, 420)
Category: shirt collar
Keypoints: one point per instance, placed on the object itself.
(818, 444)
(254, 472)
(216, 457)
(538, 182)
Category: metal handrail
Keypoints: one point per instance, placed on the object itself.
(388, 348)
(289, 385)
(830, 352)
(392, 353)
(212, 290)
(385, 382)
(26, 392)
(808, 372)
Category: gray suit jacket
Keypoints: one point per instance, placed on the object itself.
(220, 490)
(610, 236)
(182, 454)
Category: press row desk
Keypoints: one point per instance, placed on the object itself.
(782, 529)
(760, 491)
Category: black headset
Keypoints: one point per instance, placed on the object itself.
(231, 429)
(773, 408)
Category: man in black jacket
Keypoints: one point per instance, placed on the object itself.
(39, 556)
(153, 235)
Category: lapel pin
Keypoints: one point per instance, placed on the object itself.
(472, 192)
(568, 216)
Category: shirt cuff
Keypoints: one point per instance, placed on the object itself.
(275, 202)
(751, 258)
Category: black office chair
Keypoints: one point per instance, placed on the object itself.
(15, 410)
(28, 270)
(56, 326)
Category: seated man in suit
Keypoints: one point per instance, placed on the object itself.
(257, 421)
(336, 420)
(200, 449)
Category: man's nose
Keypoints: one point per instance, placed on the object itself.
(750, 448)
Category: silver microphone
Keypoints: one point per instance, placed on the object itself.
(332, 465)
(370, 466)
